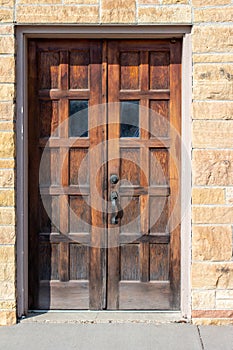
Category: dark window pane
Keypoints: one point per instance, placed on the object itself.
(129, 119)
(78, 118)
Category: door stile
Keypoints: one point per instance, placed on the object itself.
(175, 166)
(64, 166)
(97, 159)
(113, 168)
(105, 165)
(144, 168)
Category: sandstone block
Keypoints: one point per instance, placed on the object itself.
(7, 198)
(40, 2)
(7, 235)
(224, 299)
(212, 167)
(224, 294)
(7, 216)
(7, 163)
(7, 3)
(7, 44)
(58, 14)
(7, 254)
(7, 304)
(7, 289)
(203, 299)
(213, 15)
(171, 2)
(6, 111)
(212, 275)
(7, 272)
(179, 14)
(210, 2)
(229, 195)
(7, 318)
(81, 2)
(212, 39)
(7, 92)
(212, 134)
(212, 215)
(212, 321)
(213, 82)
(204, 275)
(212, 313)
(148, 2)
(213, 58)
(7, 126)
(212, 243)
(7, 69)
(226, 277)
(225, 304)
(118, 11)
(6, 15)
(6, 178)
(208, 196)
(213, 110)
(7, 144)
(6, 29)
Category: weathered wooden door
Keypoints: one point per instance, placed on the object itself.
(104, 203)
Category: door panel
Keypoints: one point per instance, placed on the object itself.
(66, 270)
(96, 243)
(143, 269)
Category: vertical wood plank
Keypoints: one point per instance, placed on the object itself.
(175, 120)
(144, 167)
(97, 158)
(113, 168)
(64, 166)
(105, 167)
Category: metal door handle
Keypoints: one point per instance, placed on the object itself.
(114, 197)
(114, 179)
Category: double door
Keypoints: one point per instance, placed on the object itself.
(104, 174)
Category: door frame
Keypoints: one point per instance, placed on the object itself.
(23, 33)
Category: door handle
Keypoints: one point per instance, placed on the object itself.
(114, 179)
(114, 197)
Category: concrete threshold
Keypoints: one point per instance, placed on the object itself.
(86, 317)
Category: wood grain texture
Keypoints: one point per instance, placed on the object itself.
(88, 262)
(113, 168)
(49, 118)
(159, 118)
(144, 70)
(175, 166)
(129, 165)
(78, 165)
(145, 296)
(49, 65)
(129, 70)
(60, 70)
(79, 69)
(159, 70)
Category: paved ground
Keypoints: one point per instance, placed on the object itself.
(114, 336)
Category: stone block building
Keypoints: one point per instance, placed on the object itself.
(173, 57)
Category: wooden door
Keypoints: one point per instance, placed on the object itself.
(66, 266)
(144, 152)
(81, 257)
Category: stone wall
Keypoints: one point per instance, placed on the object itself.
(212, 162)
(212, 133)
